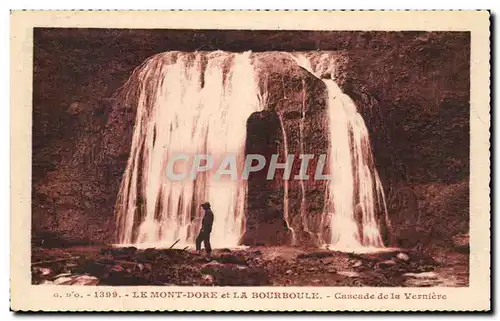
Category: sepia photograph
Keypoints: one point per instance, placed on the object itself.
(250, 157)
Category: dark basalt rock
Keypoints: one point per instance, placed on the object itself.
(412, 89)
(228, 258)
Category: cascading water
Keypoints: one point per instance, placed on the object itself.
(199, 103)
(355, 196)
(189, 103)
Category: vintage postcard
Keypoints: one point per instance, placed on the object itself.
(250, 161)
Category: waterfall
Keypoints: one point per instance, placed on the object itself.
(189, 103)
(355, 196)
(286, 209)
(198, 104)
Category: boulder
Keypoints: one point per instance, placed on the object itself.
(207, 279)
(85, 280)
(315, 255)
(63, 280)
(123, 253)
(423, 275)
(233, 274)
(357, 263)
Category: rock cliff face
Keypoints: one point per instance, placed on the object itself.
(412, 89)
(295, 107)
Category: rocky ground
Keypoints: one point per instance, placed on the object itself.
(255, 266)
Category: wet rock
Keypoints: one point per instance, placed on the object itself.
(45, 271)
(439, 258)
(62, 275)
(256, 261)
(114, 272)
(63, 280)
(387, 264)
(403, 257)
(461, 243)
(120, 276)
(423, 275)
(46, 282)
(425, 268)
(203, 259)
(96, 268)
(107, 259)
(424, 279)
(48, 254)
(84, 280)
(76, 108)
(411, 282)
(123, 253)
(236, 276)
(149, 254)
(176, 255)
(116, 269)
(74, 280)
(289, 272)
(225, 274)
(211, 267)
(105, 250)
(144, 267)
(42, 271)
(354, 76)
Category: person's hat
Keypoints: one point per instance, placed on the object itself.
(205, 205)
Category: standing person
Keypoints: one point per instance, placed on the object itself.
(206, 229)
